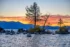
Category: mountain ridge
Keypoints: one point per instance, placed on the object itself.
(17, 25)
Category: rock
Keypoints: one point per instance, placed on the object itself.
(28, 35)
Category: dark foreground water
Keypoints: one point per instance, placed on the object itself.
(46, 40)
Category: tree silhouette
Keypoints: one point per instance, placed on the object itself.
(60, 22)
(47, 16)
(33, 12)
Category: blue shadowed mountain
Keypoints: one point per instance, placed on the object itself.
(17, 25)
(14, 25)
(52, 27)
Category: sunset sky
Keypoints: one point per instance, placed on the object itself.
(17, 7)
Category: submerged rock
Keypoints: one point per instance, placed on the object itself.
(28, 35)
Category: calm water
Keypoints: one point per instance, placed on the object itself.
(46, 40)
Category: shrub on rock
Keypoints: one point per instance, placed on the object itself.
(62, 30)
(12, 32)
(2, 30)
(21, 31)
(37, 29)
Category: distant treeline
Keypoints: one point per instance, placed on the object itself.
(36, 30)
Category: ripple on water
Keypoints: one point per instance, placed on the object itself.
(46, 40)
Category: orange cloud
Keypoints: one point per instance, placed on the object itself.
(52, 20)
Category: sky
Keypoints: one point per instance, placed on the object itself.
(17, 7)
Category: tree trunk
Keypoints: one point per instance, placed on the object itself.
(35, 17)
(35, 21)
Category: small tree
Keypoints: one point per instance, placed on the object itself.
(62, 29)
(33, 12)
(60, 23)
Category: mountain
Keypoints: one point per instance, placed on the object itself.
(17, 25)
(51, 27)
(53, 19)
(14, 25)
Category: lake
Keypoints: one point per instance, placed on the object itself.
(45, 40)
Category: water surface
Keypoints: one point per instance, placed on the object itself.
(45, 40)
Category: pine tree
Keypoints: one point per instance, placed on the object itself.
(33, 12)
